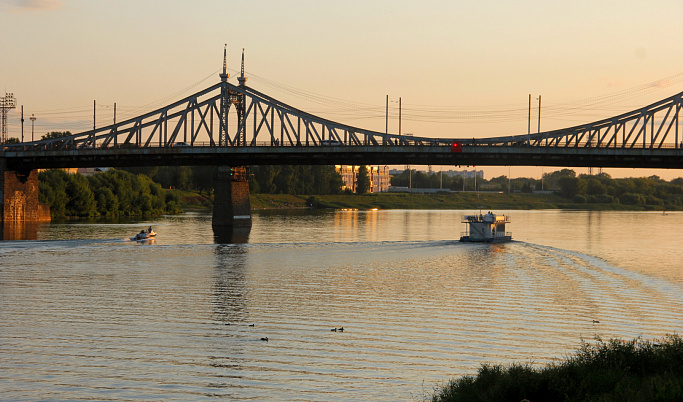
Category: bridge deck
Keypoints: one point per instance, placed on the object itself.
(482, 155)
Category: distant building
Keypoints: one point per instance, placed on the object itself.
(83, 171)
(91, 171)
(467, 174)
(378, 175)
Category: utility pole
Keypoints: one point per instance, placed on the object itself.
(410, 178)
(6, 104)
(22, 123)
(539, 114)
(386, 122)
(33, 120)
(116, 136)
(529, 120)
(399, 115)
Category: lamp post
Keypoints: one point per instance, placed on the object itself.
(386, 130)
(33, 120)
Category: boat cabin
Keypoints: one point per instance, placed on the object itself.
(487, 227)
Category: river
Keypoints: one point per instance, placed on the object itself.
(87, 314)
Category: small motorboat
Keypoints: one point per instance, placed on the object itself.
(149, 234)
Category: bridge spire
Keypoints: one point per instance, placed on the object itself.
(242, 79)
(224, 76)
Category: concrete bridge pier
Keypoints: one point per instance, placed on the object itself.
(231, 205)
(19, 197)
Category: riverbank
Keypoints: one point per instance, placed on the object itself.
(446, 200)
(194, 201)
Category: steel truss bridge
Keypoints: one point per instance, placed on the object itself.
(236, 125)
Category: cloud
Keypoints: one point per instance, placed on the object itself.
(35, 5)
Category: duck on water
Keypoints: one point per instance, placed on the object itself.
(486, 228)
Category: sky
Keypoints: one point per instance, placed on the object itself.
(461, 68)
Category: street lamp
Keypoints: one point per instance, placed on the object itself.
(33, 120)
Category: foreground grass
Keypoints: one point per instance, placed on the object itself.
(605, 371)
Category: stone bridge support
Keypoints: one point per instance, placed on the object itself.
(231, 205)
(19, 197)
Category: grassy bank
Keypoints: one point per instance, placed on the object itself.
(606, 371)
(193, 201)
(466, 200)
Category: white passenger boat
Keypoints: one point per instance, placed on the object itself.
(149, 234)
(486, 228)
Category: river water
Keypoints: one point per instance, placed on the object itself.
(86, 314)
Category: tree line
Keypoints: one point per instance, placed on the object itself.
(264, 179)
(141, 191)
(111, 193)
(650, 191)
(295, 179)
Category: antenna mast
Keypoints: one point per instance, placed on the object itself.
(242, 79)
(224, 75)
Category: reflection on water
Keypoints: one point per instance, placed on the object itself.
(19, 230)
(89, 315)
(230, 290)
(230, 235)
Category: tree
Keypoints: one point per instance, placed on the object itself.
(569, 186)
(12, 140)
(362, 180)
(81, 198)
(295, 179)
(284, 181)
(595, 187)
(107, 203)
(552, 180)
(56, 134)
(335, 182)
(402, 179)
(457, 183)
(52, 191)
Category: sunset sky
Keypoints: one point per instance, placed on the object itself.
(461, 68)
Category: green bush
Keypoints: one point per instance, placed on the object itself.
(579, 199)
(632, 199)
(617, 370)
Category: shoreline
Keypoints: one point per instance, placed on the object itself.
(464, 201)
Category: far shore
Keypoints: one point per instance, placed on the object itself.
(445, 200)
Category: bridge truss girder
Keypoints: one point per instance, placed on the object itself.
(655, 126)
(202, 120)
